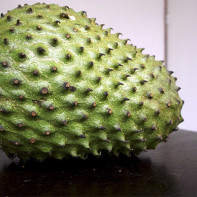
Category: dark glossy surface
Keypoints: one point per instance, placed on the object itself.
(170, 170)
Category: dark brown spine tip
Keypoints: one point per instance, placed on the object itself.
(119, 65)
(21, 97)
(109, 70)
(48, 6)
(51, 107)
(33, 114)
(120, 84)
(82, 136)
(102, 128)
(1, 128)
(12, 30)
(75, 103)
(118, 129)
(54, 41)
(67, 36)
(89, 40)
(66, 8)
(152, 75)
(2, 15)
(159, 137)
(106, 93)
(98, 37)
(84, 13)
(81, 49)
(9, 18)
(106, 33)
(157, 112)
(87, 27)
(30, 10)
(100, 55)
(39, 28)
(3, 110)
(175, 78)
(79, 73)
(126, 41)
(40, 50)
(137, 131)
(85, 116)
(178, 89)
(149, 95)
(126, 76)
(109, 111)
(106, 140)
(57, 22)
(32, 141)
(169, 123)
(126, 99)
(64, 15)
(128, 59)
(128, 114)
(73, 88)
(20, 125)
(66, 85)
(89, 90)
(134, 69)
(118, 34)
(47, 133)
(16, 81)
(153, 128)
(64, 122)
(29, 37)
(141, 103)
(35, 72)
(169, 104)
(91, 64)
(99, 79)
(170, 72)
(176, 129)
(4, 64)
(160, 68)
(44, 91)
(134, 89)
(5, 40)
(39, 16)
(68, 56)
(22, 55)
(144, 119)
(143, 82)
(94, 104)
(75, 29)
(109, 50)
(142, 66)
(54, 69)
(142, 140)
(161, 90)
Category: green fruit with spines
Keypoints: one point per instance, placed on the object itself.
(68, 87)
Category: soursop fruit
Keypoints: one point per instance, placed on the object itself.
(68, 87)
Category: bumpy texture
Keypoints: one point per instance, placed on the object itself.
(68, 87)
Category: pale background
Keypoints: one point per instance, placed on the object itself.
(143, 22)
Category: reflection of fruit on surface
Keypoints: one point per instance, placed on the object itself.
(68, 87)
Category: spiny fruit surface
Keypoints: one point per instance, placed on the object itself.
(68, 87)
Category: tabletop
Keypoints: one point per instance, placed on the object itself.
(169, 170)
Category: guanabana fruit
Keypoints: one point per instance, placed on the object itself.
(68, 87)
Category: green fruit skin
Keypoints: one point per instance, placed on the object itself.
(68, 87)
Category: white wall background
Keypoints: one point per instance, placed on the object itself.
(182, 53)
